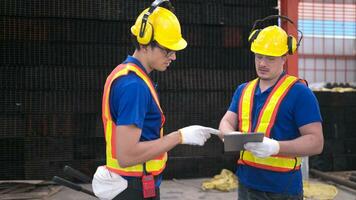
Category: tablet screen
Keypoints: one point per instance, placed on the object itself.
(235, 141)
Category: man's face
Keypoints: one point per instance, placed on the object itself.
(160, 57)
(269, 67)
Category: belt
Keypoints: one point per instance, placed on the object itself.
(136, 182)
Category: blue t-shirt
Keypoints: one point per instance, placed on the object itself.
(131, 103)
(298, 108)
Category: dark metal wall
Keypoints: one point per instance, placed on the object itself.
(54, 59)
(339, 124)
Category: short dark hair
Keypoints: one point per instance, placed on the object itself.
(137, 45)
(167, 5)
(134, 42)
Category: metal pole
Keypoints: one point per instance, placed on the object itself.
(289, 8)
(72, 185)
(334, 179)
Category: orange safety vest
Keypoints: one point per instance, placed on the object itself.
(266, 120)
(154, 166)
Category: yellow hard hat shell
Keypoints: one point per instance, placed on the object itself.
(272, 41)
(166, 29)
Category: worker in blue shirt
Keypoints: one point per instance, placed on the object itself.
(285, 110)
(136, 149)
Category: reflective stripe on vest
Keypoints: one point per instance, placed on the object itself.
(154, 166)
(266, 119)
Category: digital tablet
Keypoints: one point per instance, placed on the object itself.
(235, 141)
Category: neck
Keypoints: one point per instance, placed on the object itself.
(267, 83)
(141, 57)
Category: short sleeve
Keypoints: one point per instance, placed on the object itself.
(129, 102)
(306, 108)
(235, 99)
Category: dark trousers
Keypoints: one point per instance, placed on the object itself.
(245, 193)
(134, 191)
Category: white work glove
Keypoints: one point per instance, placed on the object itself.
(263, 149)
(107, 185)
(196, 135)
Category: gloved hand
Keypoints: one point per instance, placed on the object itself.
(196, 135)
(263, 149)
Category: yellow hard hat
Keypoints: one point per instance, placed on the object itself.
(162, 26)
(272, 41)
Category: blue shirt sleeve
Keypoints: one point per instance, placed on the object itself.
(306, 109)
(235, 99)
(129, 100)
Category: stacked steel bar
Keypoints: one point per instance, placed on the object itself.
(54, 59)
(339, 122)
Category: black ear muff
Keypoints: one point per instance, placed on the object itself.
(145, 35)
(290, 44)
(254, 35)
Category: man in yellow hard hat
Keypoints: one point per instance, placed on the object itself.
(285, 110)
(132, 116)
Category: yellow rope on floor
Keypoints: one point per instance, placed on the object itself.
(319, 191)
(225, 181)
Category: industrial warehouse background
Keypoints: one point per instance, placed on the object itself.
(55, 56)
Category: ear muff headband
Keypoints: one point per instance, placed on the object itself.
(145, 35)
(254, 32)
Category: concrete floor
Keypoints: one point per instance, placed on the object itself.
(188, 189)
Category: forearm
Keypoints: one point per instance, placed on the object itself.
(306, 145)
(228, 123)
(225, 127)
(144, 151)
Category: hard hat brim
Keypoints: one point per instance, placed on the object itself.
(180, 45)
